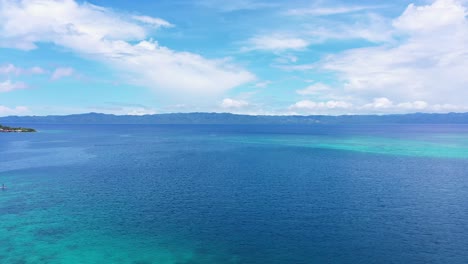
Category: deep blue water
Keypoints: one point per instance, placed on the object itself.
(235, 194)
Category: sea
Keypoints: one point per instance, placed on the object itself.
(141, 194)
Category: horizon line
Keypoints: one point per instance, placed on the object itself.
(238, 114)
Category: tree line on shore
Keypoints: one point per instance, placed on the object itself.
(15, 129)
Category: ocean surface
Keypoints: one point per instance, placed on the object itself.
(141, 194)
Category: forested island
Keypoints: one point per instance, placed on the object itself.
(6, 129)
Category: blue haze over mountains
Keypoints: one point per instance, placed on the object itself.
(227, 118)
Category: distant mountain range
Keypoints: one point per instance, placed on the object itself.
(226, 118)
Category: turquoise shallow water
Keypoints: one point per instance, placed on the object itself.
(235, 194)
(455, 146)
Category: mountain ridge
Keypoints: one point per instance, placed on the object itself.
(229, 118)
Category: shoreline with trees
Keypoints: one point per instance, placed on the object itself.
(6, 129)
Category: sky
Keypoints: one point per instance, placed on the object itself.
(259, 57)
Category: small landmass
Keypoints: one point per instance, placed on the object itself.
(6, 129)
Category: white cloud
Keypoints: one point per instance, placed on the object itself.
(297, 67)
(27, 22)
(275, 42)
(442, 14)
(59, 73)
(314, 89)
(370, 27)
(263, 84)
(182, 71)
(311, 106)
(286, 58)
(8, 86)
(381, 102)
(116, 40)
(10, 69)
(427, 64)
(122, 108)
(155, 22)
(325, 11)
(418, 105)
(229, 103)
(381, 105)
(312, 31)
(385, 105)
(19, 110)
(36, 70)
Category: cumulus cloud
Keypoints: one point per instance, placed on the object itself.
(60, 73)
(117, 40)
(19, 110)
(428, 63)
(420, 19)
(8, 86)
(229, 103)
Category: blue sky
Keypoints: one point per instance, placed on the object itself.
(246, 56)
